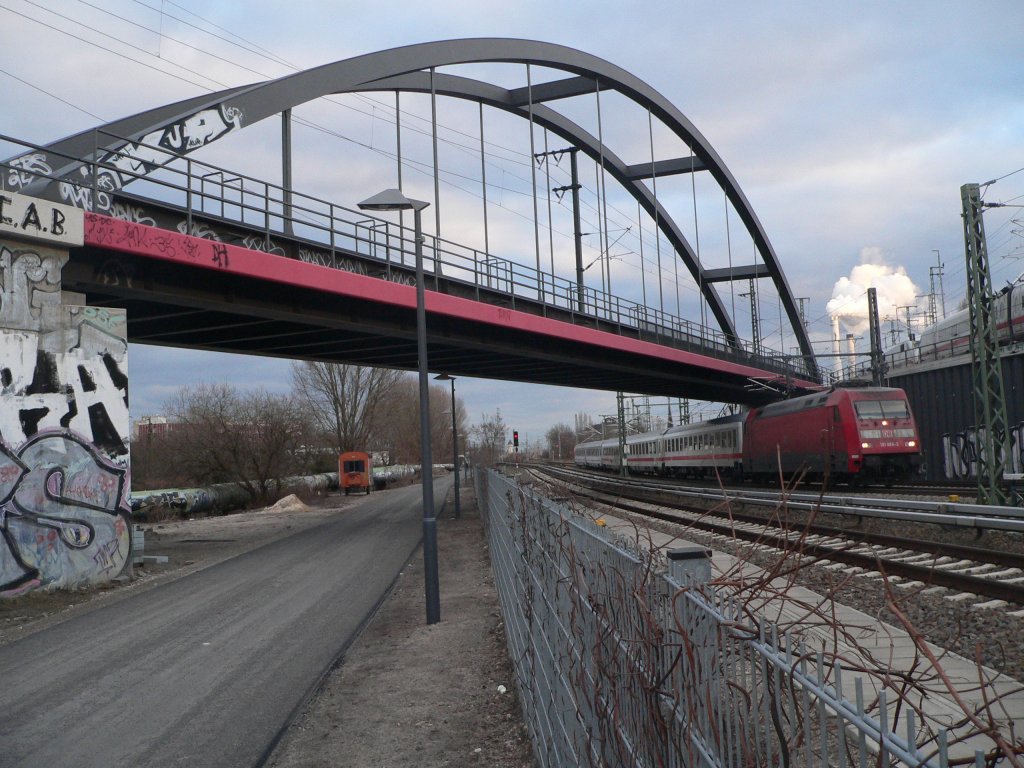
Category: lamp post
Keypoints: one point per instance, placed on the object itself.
(394, 200)
(455, 443)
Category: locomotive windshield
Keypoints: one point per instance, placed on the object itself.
(882, 409)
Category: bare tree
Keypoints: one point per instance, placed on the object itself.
(150, 468)
(346, 401)
(561, 441)
(398, 425)
(251, 439)
(585, 427)
(490, 439)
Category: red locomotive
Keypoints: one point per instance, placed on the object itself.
(846, 434)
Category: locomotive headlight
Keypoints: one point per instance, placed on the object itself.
(865, 445)
(885, 423)
(911, 443)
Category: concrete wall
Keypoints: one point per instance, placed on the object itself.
(64, 429)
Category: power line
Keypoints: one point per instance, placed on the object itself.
(51, 95)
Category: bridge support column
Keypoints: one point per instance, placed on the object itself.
(64, 425)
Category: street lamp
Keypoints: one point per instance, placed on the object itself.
(455, 443)
(394, 200)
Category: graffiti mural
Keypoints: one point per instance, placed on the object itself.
(314, 256)
(960, 453)
(64, 517)
(25, 169)
(259, 243)
(131, 213)
(198, 229)
(64, 445)
(130, 161)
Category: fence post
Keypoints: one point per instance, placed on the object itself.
(690, 563)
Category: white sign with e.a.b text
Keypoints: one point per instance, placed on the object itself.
(23, 216)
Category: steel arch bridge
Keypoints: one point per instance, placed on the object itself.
(186, 125)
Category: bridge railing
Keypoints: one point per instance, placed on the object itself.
(207, 196)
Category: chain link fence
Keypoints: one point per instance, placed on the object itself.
(623, 660)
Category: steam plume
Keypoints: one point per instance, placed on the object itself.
(849, 300)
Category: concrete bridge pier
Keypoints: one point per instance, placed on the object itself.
(64, 425)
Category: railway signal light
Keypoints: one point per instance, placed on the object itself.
(515, 439)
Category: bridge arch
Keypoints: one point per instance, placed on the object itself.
(413, 68)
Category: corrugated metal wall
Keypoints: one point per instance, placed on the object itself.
(942, 401)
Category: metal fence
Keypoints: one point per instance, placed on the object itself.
(620, 661)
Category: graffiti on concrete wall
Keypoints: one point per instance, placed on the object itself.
(63, 431)
(960, 453)
(63, 514)
(72, 377)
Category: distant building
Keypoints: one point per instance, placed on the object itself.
(152, 426)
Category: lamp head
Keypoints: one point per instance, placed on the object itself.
(392, 200)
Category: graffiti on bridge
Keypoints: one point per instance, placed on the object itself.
(63, 431)
(960, 452)
(64, 516)
(134, 159)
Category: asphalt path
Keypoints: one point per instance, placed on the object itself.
(207, 669)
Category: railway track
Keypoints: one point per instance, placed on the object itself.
(973, 570)
(963, 491)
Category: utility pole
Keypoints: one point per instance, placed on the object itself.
(803, 312)
(910, 328)
(878, 367)
(621, 402)
(989, 402)
(755, 322)
(933, 315)
(938, 272)
(577, 232)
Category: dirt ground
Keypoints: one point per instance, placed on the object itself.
(405, 693)
(411, 694)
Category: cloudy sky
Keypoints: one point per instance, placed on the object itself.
(850, 128)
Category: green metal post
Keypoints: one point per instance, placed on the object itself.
(989, 402)
(878, 366)
(621, 402)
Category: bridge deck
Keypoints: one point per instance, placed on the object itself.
(189, 291)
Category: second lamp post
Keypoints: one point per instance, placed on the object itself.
(455, 443)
